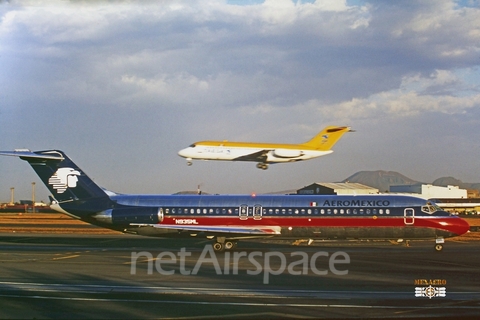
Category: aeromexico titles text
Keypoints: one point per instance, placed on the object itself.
(356, 203)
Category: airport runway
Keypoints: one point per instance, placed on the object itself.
(94, 276)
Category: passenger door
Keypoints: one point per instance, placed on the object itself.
(243, 212)
(409, 216)
(257, 212)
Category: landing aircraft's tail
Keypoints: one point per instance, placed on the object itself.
(65, 180)
(327, 138)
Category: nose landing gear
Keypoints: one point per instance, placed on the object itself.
(439, 244)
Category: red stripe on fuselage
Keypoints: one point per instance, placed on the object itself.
(451, 224)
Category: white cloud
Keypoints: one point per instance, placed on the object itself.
(441, 26)
(409, 100)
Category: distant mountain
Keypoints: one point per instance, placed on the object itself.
(382, 180)
(450, 181)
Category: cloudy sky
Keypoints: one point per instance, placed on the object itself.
(121, 86)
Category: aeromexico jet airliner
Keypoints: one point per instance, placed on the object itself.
(265, 153)
(228, 218)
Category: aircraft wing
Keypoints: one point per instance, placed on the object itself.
(260, 230)
(259, 156)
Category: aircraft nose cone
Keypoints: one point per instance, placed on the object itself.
(183, 153)
(460, 226)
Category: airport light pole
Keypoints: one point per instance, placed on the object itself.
(33, 195)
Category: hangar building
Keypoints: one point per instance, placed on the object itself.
(428, 191)
(346, 188)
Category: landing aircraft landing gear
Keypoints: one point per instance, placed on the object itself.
(438, 247)
(262, 166)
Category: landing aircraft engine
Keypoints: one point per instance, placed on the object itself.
(287, 153)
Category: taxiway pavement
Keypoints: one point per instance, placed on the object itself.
(126, 276)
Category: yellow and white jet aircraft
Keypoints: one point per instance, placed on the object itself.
(265, 153)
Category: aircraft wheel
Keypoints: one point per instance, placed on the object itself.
(438, 247)
(229, 245)
(189, 163)
(219, 247)
(265, 167)
(259, 166)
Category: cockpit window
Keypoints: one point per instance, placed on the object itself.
(431, 208)
(192, 145)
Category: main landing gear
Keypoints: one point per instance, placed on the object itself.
(262, 166)
(222, 244)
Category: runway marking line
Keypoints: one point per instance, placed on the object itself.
(146, 260)
(67, 257)
(256, 304)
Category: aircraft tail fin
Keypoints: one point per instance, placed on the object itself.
(327, 138)
(63, 178)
